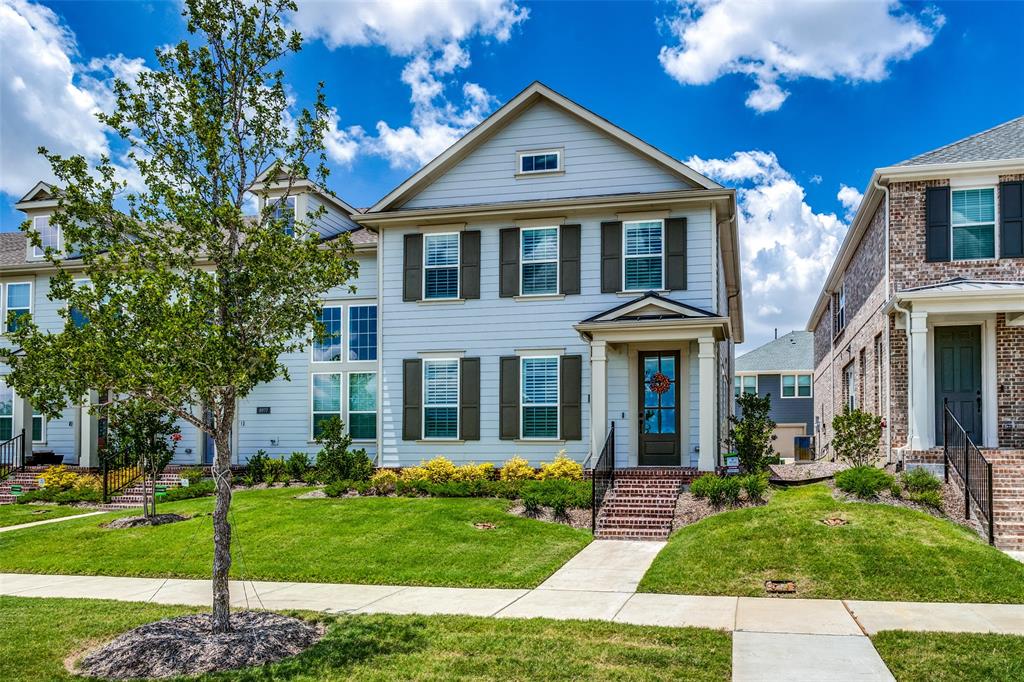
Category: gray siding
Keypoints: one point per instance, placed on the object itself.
(784, 410)
(333, 221)
(594, 165)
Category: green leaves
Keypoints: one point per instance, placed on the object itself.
(751, 435)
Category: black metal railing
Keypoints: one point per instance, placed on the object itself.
(119, 471)
(602, 477)
(12, 455)
(972, 467)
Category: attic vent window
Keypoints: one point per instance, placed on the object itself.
(543, 161)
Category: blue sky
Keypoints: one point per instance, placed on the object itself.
(868, 84)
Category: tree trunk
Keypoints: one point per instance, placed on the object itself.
(221, 527)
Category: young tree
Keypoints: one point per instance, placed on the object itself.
(188, 305)
(751, 434)
(855, 436)
(139, 434)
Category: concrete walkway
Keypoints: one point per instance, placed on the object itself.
(605, 566)
(44, 522)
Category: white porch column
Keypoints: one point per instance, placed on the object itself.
(923, 438)
(88, 452)
(708, 396)
(23, 420)
(598, 397)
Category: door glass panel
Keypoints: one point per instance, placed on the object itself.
(668, 421)
(659, 408)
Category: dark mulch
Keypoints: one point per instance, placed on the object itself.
(577, 518)
(952, 505)
(137, 521)
(186, 646)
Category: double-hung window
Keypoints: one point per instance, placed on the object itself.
(796, 385)
(539, 390)
(441, 399)
(362, 332)
(49, 235)
(851, 385)
(327, 348)
(38, 427)
(326, 400)
(19, 302)
(284, 210)
(547, 161)
(744, 384)
(362, 405)
(6, 412)
(441, 266)
(974, 223)
(539, 260)
(642, 262)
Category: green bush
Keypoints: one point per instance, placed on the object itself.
(200, 489)
(755, 486)
(932, 498)
(341, 488)
(855, 436)
(297, 465)
(730, 488)
(559, 493)
(249, 480)
(895, 490)
(311, 477)
(751, 435)
(192, 474)
(863, 481)
(256, 465)
(704, 487)
(920, 481)
(719, 490)
(273, 471)
(57, 496)
(335, 462)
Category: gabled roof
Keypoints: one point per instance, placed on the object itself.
(650, 306)
(792, 352)
(535, 92)
(268, 182)
(1004, 141)
(41, 192)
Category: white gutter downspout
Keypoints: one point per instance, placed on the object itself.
(887, 365)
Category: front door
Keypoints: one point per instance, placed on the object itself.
(659, 408)
(958, 378)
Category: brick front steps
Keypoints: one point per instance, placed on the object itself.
(641, 505)
(129, 498)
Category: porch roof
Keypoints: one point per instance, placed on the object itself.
(654, 316)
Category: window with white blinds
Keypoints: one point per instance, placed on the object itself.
(441, 399)
(539, 384)
(539, 260)
(974, 223)
(642, 255)
(441, 266)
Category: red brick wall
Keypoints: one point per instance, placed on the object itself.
(1010, 383)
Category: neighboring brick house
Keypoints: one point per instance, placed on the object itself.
(782, 369)
(924, 307)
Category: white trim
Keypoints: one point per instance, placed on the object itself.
(557, 404)
(741, 376)
(538, 352)
(341, 351)
(796, 385)
(457, 266)
(275, 201)
(348, 406)
(625, 257)
(559, 153)
(42, 431)
(347, 338)
(456, 404)
(6, 308)
(40, 252)
(556, 261)
(994, 223)
(341, 399)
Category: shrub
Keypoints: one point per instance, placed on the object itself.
(200, 489)
(311, 477)
(920, 481)
(383, 482)
(558, 493)
(410, 474)
(256, 464)
(855, 436)
(59, 478)
(66, 496)
(249, 480)
(932, 498)
(192, 474)
(273, 471)
(335, 462)
(729, 488)
(863, 481)
(517, 469)
(474, 472)
(720, 490)
(703, 486)
(87, 482)
(561, 467)
(341, 488)
(754, 485)
(895, 490)
(439, 470)
(297, 465)
(751, 435)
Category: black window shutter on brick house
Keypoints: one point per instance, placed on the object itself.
(1011, 216)
(937, 224)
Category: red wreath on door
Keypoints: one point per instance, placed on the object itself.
(660, 383)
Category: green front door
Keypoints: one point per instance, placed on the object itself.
(958, 378)
(659, 409)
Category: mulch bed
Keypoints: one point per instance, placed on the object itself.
(186, 646)
(139, 521)
(690, 509)
(804, 473)
(577, 518)
(952, 504)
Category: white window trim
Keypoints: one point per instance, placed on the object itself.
(40, 252)
(995, 224)
(14, 398)
(341, 399)
(458, 400)
(841, 307)
(457, 266)
(851, 386)
(42, 431)
(625, 223)
(347, 338)
(557, 259)
(742, 376)
(539, 152)
(557, 404)
(347, 407)
(796, 385)
(5, 308)
(312, 346)
(274, 201)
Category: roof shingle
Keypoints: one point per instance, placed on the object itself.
(794, 351)
(1005, 141)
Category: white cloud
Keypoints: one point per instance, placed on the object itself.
(850, 198)
(775, 41)
(342, 144)
(786, 248)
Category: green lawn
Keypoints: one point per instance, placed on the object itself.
(949, 657)
(14, 514)
(400, 541)
(883, 553)
(41, 633)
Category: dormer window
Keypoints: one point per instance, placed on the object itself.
(541, 161)
(284, 210)
(49, 234)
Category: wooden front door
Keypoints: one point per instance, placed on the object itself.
(659, 409)
(958, 378)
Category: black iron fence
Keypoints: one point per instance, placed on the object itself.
(12, 455)
(119, 470)
(963, 455)
(602, 477)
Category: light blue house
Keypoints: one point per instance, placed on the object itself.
(545, 278)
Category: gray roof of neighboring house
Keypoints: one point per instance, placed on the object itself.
(1005, 141)
(794, 351)
(12, 248)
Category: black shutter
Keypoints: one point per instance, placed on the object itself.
(469, 399)
(1011, 216)
(571, 396)
(936, 228)
(508, 414)
(412, 399)
(469, 277)
(675, 254)
(569, 259)
(611, 257)
(412, 268)
(508, 262)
